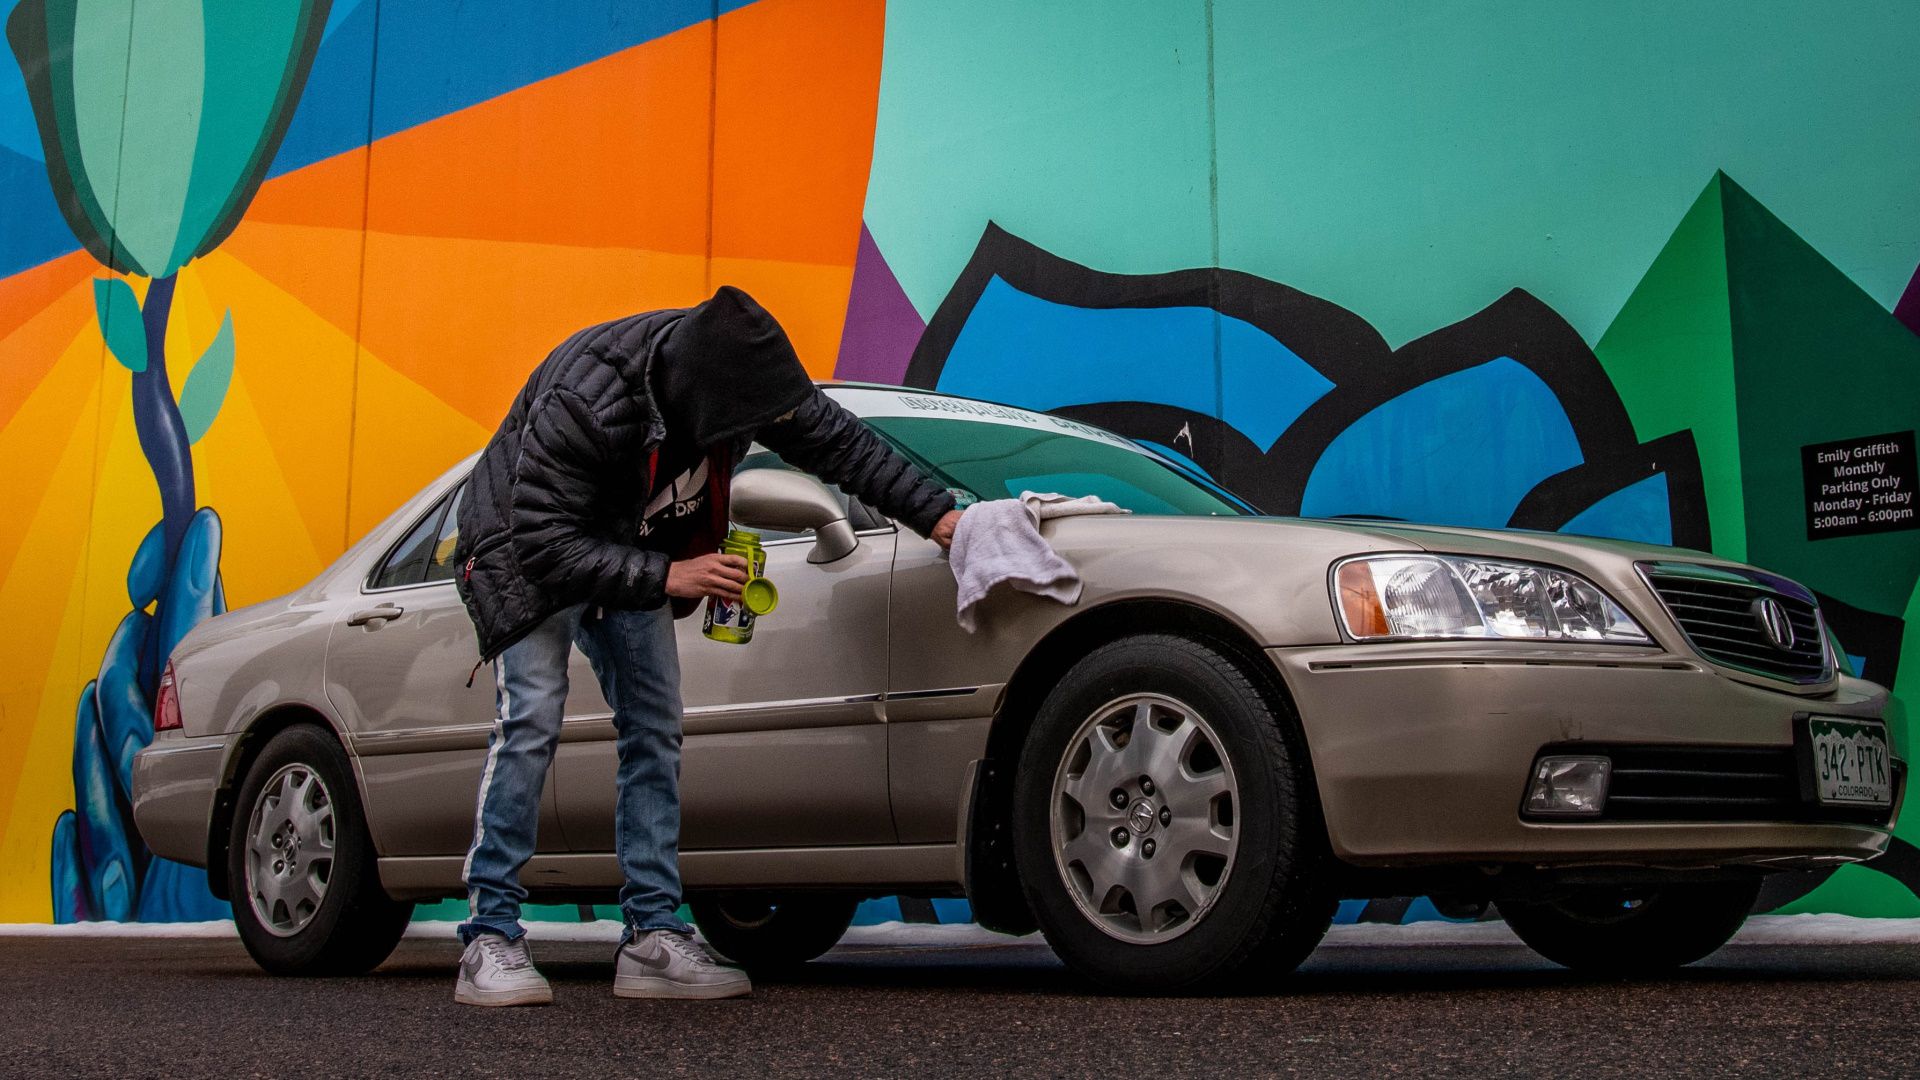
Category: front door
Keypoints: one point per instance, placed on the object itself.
(397, 665)
(785, 744)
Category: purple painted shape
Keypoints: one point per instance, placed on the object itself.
(882, 325)
(1907, 310)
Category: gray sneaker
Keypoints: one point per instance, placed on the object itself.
(495, 971)
(670, 964)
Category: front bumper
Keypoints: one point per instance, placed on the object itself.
(174, 782)
(1422, 753)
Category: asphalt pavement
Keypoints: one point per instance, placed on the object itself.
(181, 1007)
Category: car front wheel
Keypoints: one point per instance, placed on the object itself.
(307, 897)
(1607, 932)
(1166, 827)
(770, 932)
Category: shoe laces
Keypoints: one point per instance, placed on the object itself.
(683, 944)
(507, 955)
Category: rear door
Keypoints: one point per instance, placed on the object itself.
(398, 660)
(785, 744)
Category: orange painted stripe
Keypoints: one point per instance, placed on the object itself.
(329, 193)
(36, 341)
(799, 88)
(23, 295)
(468, 319)
(610, 154)
(41, 309)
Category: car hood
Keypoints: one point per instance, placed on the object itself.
(1522, 545)
(1532, 545)
(1608, 562)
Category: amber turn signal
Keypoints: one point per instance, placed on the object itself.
(1360, 601)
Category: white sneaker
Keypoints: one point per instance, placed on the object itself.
(670, 964)
(495, 971)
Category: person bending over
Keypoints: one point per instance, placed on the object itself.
(594, 517)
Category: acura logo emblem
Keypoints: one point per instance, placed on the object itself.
(1772, 616)
(1140, 818)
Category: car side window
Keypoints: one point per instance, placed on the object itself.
(407, 563)
(441, 565)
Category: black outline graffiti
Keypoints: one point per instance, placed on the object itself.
(1364, 370)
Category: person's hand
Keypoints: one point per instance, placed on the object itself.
(709, 575)
(943, 530)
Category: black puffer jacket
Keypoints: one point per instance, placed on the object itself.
(553, 510)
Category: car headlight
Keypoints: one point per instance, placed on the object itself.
(1444, 596)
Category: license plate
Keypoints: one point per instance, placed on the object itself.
(1852, 765)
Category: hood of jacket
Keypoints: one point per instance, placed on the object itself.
(726, 369)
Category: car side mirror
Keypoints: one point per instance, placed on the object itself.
(794, 502)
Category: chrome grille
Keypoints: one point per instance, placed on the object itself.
(1718, 610)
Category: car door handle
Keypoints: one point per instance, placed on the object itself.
(374, 617)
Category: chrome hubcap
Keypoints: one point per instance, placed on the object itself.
(1143, 820)
(290, 850)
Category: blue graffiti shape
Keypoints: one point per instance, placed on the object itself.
(101, 869)
(105, 856)
(1503, 419)
(1637, 511)
(69, 884)
(1055, 353)
(1430, 454)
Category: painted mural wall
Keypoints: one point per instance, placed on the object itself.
(265, 269)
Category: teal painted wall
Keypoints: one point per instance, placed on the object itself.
(1408, 161)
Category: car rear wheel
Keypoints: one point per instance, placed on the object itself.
(764, 932)
(1166, 830)
(1608, 932)
(307, 896)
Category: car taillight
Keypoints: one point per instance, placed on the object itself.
(166, 703)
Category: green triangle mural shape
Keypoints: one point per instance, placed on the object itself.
(1817, 360)
(1669, 354)
(1744, 334)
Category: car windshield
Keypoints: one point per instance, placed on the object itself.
(997, 452)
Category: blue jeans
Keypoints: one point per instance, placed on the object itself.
(638, 665)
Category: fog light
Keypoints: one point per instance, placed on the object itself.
(1569, 785)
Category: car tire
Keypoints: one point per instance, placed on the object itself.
(1240, 888)
(1613, 933)
(306, 891)
(764, 932)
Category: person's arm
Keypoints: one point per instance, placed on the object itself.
(563, 454)
(826, 440)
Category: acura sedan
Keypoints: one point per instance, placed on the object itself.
(1243, 719)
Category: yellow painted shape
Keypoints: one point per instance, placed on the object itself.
(405, 437)
(34, 433)
(40, 636)
(126, 504)
(266, 549)
(318, 266)
(45, 763)
(296, 368)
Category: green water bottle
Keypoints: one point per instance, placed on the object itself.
(733, 623)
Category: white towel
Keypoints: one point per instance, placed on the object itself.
(999, 542)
